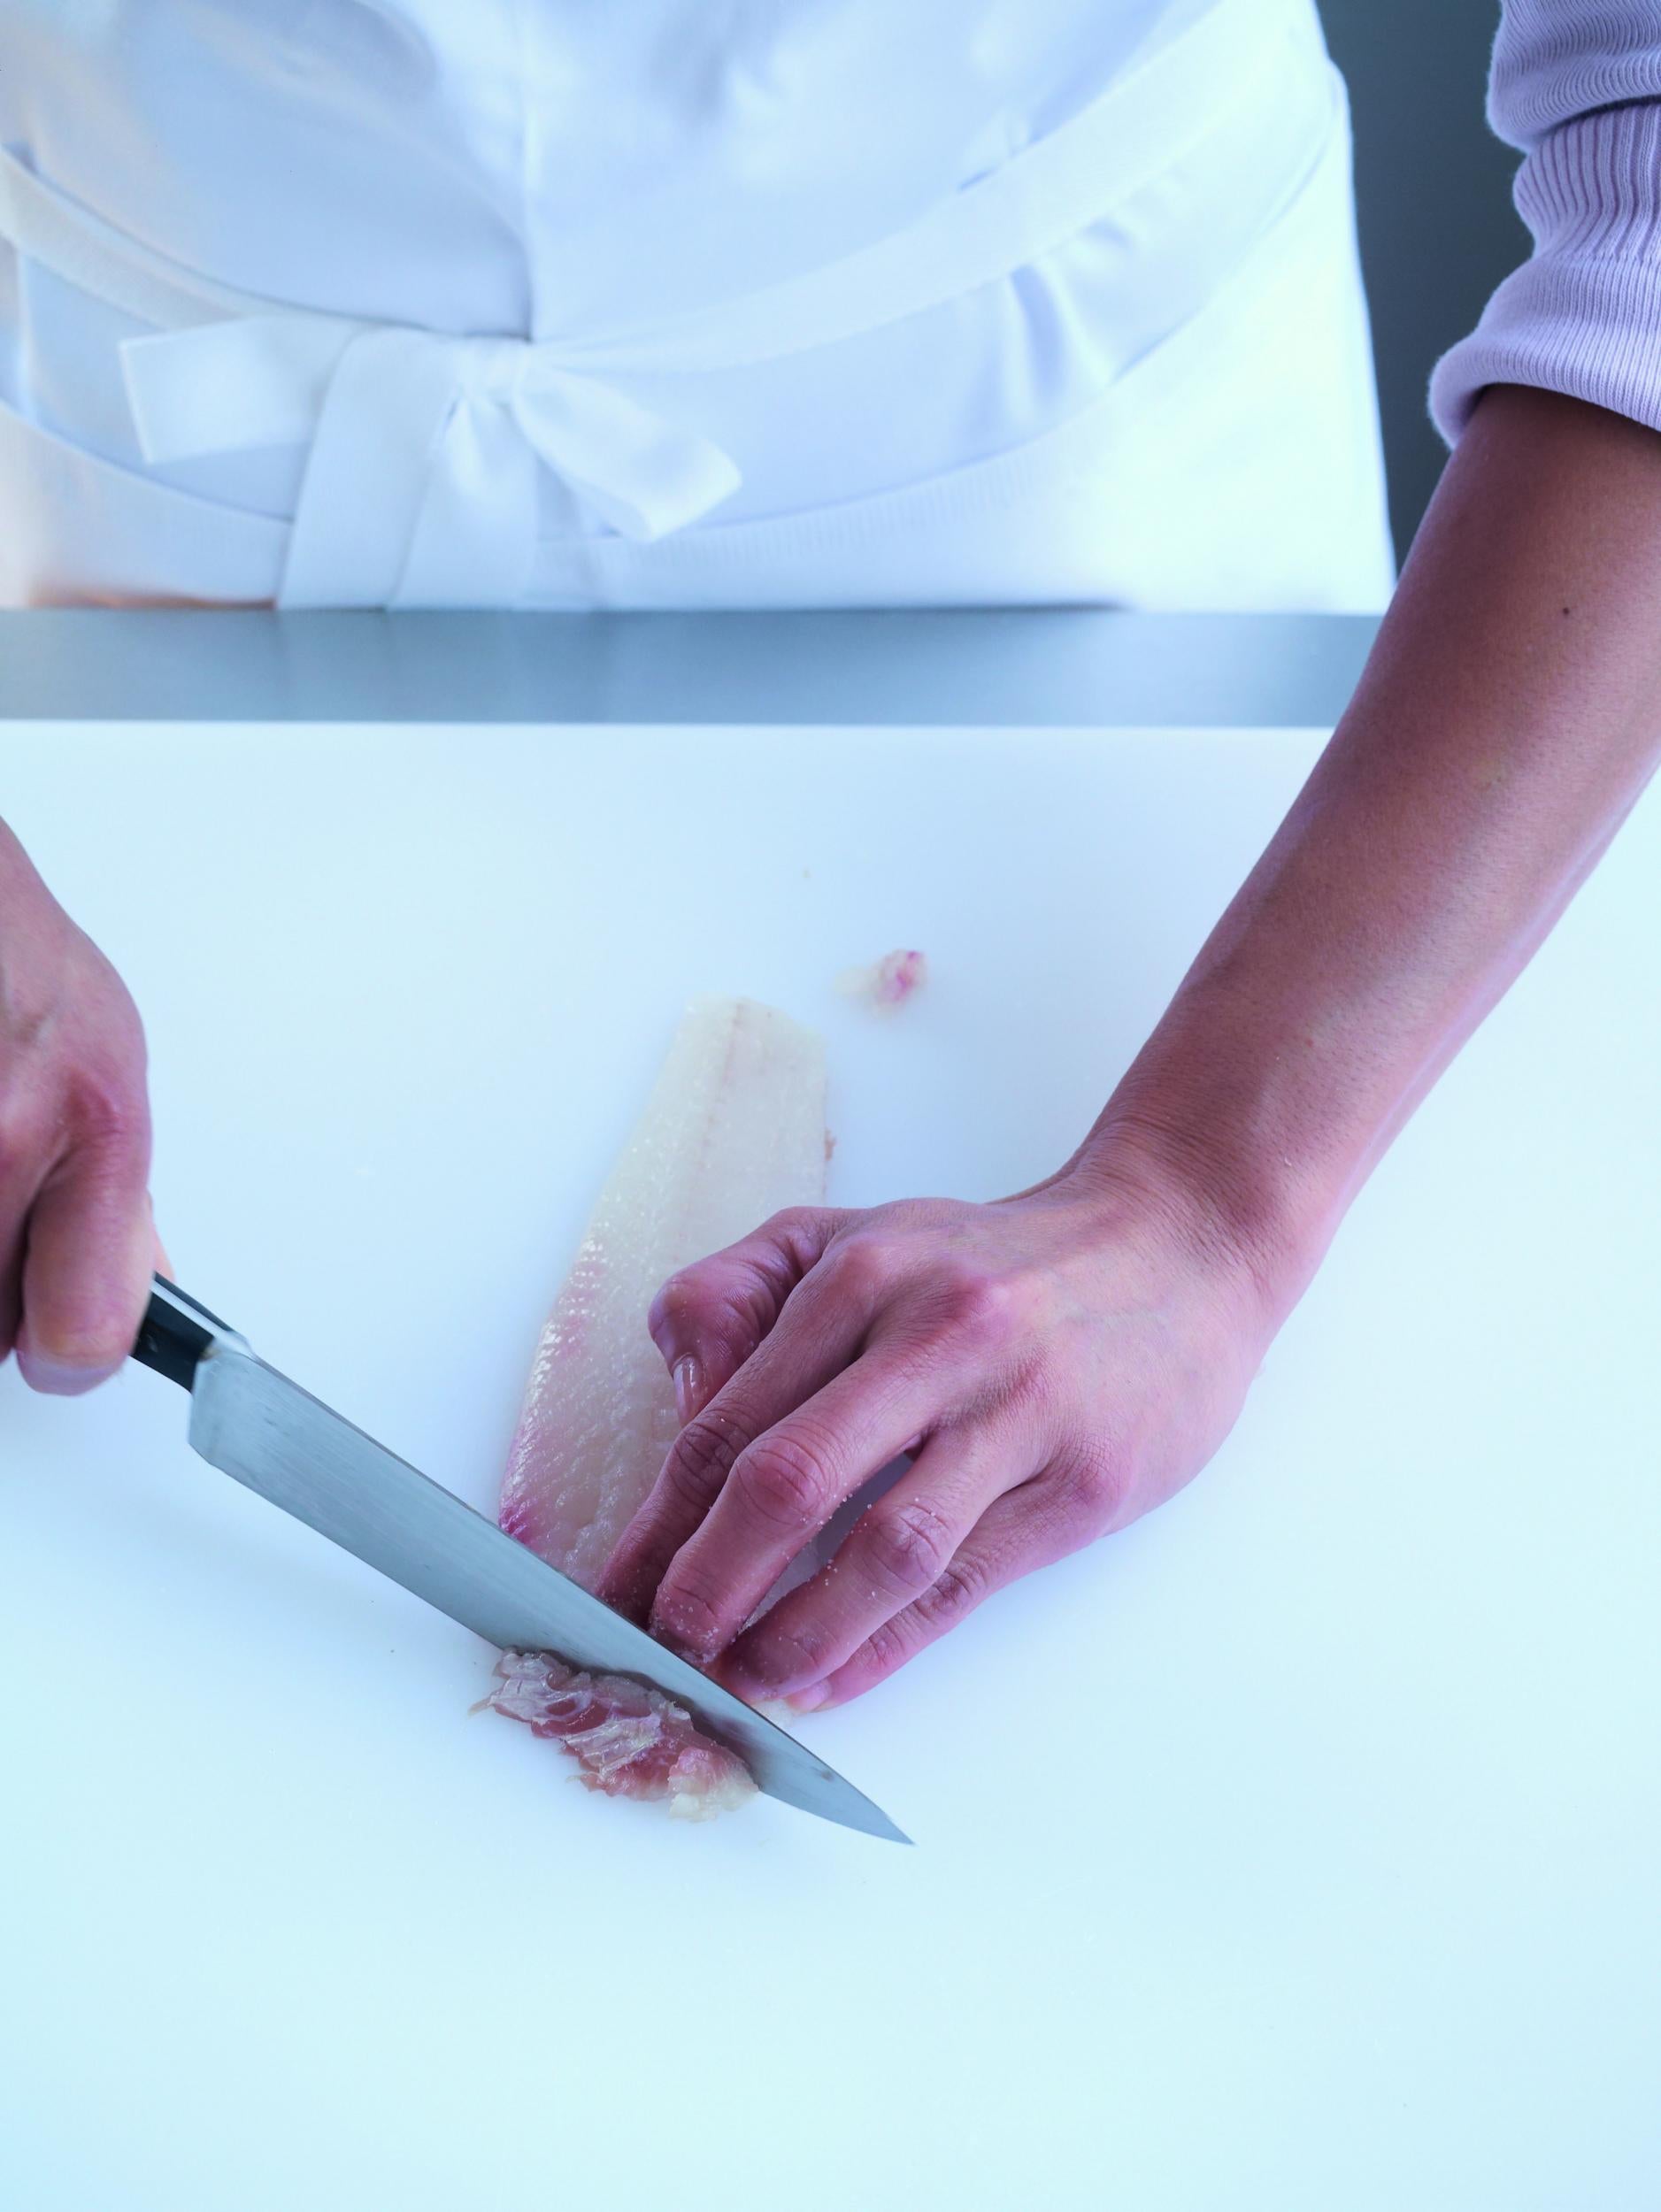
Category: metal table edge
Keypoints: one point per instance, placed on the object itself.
(968, 667)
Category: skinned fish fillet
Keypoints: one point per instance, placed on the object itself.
(733, 1132)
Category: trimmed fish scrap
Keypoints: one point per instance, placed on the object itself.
(629, 1740)
(889, 982)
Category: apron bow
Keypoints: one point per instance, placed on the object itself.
(421, 481)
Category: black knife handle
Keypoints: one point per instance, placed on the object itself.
(176, 1331)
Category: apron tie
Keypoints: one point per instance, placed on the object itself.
(420, 486)
(424, 451)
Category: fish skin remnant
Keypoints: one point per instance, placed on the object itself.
(733, 1133)
(887, 982)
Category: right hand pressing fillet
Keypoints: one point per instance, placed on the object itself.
(77, 1242)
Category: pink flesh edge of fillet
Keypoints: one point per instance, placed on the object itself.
(733, 1132)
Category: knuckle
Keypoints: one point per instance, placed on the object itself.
(909, 1545)
(692, 1298)
(782, 1480)
(793, 1222)
(1093, 1487)
(959, 1586)
(984, 1309)
(886, 1647)
(699, 1461)
(675, 1296)
(687, 1610)
(794, 1654)
(860, 1264)
(107, 1110)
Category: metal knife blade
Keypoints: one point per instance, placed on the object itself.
(265, 1431)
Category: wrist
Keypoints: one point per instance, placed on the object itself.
(1212, 1129)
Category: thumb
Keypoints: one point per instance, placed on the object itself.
(87, 1271)
(709, 1318)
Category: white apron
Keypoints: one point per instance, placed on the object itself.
(409, 304)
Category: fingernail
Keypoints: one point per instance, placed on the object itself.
(689, 1384)
(59, 1381)
(810, 1700)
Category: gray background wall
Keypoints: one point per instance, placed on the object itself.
(1433, 191)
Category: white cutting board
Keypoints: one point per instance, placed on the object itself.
(1297, 1849)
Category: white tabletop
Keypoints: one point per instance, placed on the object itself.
(1295, 1849)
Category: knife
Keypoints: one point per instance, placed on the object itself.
(256, 1425)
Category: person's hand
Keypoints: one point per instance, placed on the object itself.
(77, 1243)
(1058, 1362)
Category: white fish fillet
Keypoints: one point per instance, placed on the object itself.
(735, 1130)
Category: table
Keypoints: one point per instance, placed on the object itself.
(1294, 1849)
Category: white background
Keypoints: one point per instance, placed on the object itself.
(1297, 1849)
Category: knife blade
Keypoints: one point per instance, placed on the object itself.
(264, 1432)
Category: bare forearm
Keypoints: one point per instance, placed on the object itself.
(1508, 718)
